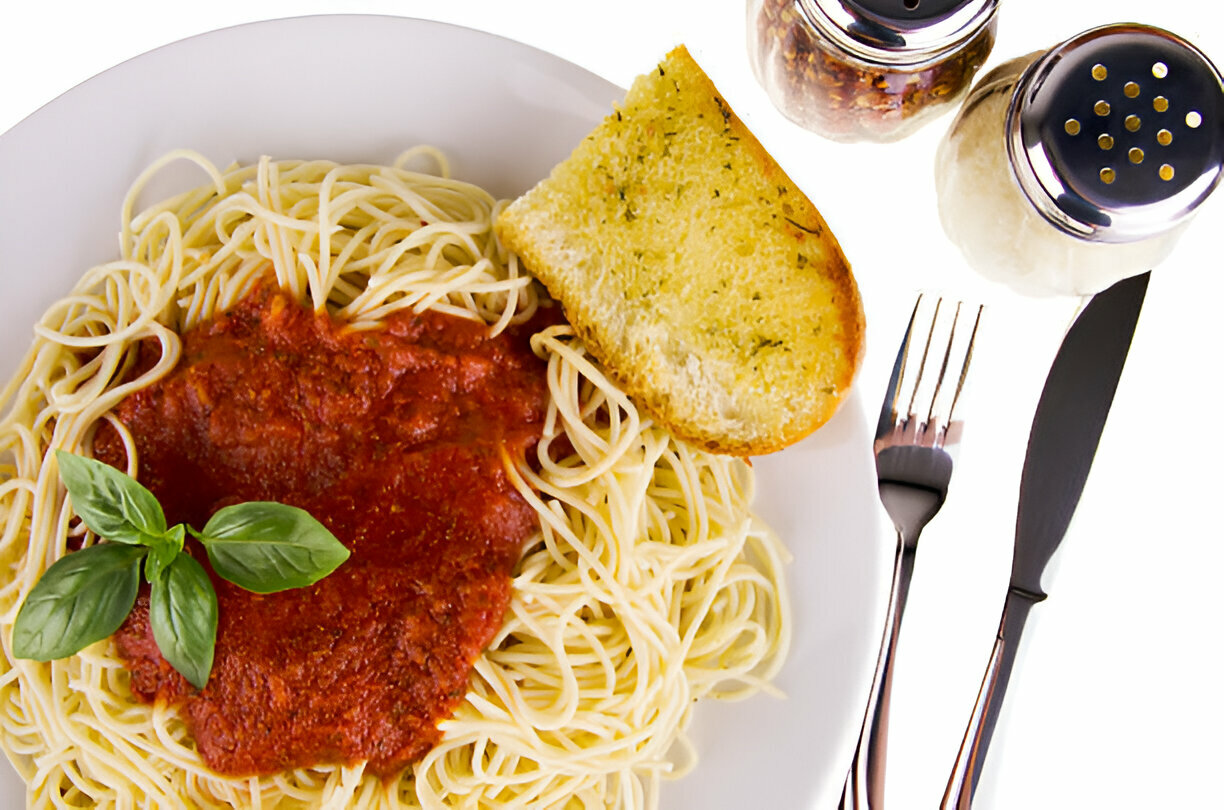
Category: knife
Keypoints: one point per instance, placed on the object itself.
(1066, 430)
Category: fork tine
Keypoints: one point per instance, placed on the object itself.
(925, 386)
(926, 353)
(888, 407)
(964, 372)
(957, 337)
(929, 382)
(943, 363)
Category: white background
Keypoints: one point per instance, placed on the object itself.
(1116, 700)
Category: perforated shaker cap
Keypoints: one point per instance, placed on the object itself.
(903, 33)
(1117, 135)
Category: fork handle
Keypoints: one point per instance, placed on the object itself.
(982, 720)
(865, 783)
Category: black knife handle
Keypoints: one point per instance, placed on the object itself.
(968, 767)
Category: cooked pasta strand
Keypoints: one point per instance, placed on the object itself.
(651, 584)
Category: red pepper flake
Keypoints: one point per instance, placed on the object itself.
(843, 98)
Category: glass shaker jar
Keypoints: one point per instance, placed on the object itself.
(1069, 169)
(868, 70)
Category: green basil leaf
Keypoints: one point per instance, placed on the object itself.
(82, 598)
(112, 504)
(183, 615)
(266, 547)
(163, 550)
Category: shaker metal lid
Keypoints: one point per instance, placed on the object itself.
(900, 32)
(1117, 134)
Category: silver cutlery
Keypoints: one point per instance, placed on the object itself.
(915, 438)
(1161, 73)
(1071, 413)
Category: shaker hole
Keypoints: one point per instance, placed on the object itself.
(1100, 72)
(1164, 137)
(1166, 172)
(1106, 142)
(1072, 126)
(1160, 70)
(912, 4)
(1108, 175)
(1133, 123)
(1135, 155)
(1194, 119)
(1160, 104)
(1131, 89)
(1101, 108)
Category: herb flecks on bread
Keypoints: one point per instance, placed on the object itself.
(692, 267)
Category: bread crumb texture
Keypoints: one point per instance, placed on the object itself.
(696, 272)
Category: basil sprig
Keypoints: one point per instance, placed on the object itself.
(85, 596)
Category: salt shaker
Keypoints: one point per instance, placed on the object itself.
(868, 70)
(1069, 169)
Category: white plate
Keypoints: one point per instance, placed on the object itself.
(504, 113)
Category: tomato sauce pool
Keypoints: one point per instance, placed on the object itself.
(392, 439)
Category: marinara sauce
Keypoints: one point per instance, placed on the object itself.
(391, 438)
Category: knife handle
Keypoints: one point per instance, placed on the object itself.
(968, 767)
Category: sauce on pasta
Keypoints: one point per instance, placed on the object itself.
(390, 437)
(653, 585)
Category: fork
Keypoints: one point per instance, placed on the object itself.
(915, 439)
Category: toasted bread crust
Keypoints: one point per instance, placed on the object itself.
(694, 269)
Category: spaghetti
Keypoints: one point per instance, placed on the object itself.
(651, 583)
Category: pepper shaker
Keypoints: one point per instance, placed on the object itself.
(868, 70)
(1070, 169)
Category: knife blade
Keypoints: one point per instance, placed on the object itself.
(1066, 431)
